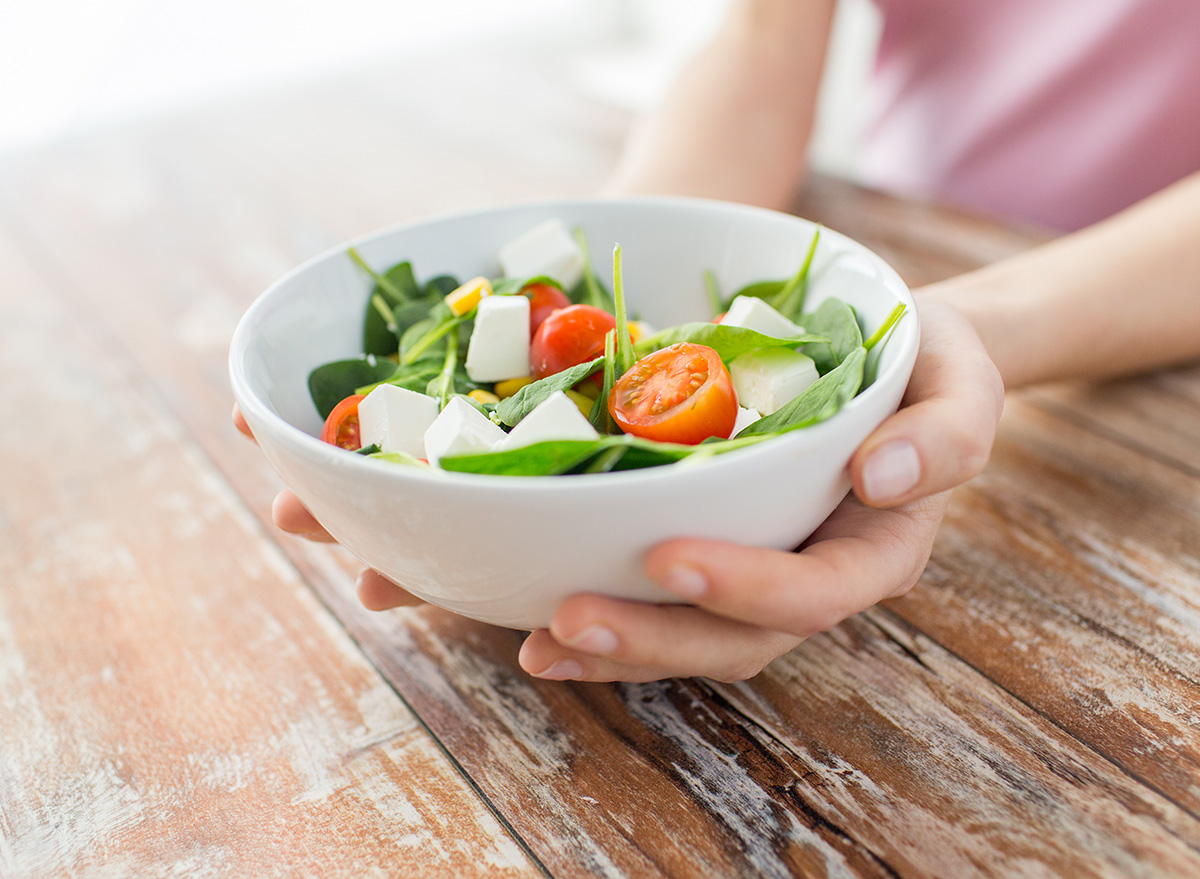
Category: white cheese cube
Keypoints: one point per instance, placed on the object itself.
(769, 378)
(555, 418)
(745, 418)
(458, 429)
(546, 249)
(755, 314)
(395, 419)
(499, 346)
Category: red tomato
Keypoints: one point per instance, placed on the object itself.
(341, 427)
(544, 300)
(720, 317)
(568, 337)
(680, 394)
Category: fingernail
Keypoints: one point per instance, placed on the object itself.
(563, 670)
(685, 581)
(891, 471)
(595, 639)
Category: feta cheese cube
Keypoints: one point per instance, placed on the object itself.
(755, 314)
(555, 418)
(395, 419)
(499, 346)
(745, 418)
(458, 429)
(769, 378)
(546, 249)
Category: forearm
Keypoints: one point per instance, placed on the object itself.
(736, 123)
(1120, 297)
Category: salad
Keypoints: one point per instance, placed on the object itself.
(541, 371)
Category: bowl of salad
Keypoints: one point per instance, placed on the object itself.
(501, 408)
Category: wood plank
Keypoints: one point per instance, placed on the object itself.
(463, 679)
(1068, 572)
(176, 699)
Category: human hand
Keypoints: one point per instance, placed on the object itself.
(748, 605)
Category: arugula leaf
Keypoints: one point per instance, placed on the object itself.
(330, 383)
(789, 301)
(729, 342)
(600, 417)
(512, 409)
(837, 321)
(819, 401)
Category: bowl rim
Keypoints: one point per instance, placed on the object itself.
(311, 447)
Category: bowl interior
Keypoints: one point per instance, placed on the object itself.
(314, 314)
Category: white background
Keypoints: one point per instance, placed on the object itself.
(69, 65)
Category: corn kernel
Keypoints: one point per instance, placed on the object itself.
(481, 396)
(639, 329)
(584, 404)
(467, 296)
(510, 386)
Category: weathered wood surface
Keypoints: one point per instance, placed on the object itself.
(1028, 710)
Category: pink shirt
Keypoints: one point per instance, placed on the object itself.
(1059, 112)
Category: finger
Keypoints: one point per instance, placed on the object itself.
(857, 558)
(239, 421)
(595, 638)
(292, 516)
(942, 436)
(377, 592)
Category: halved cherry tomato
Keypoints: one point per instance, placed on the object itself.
(568, 337)
(341, 427)
(679, 394)
(720, 317)
(544, 300)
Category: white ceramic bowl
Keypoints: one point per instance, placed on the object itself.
(507, 550)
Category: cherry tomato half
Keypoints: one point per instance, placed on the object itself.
(568, 337)
(341, 427)
(544, 300)
(679, 394)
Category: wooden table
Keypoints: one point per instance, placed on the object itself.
(187, 692)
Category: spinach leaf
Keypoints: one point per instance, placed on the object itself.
(331, 383)
(835, 320)
(819, 401)
(715, 303)
(729, 342)
(394, 288)
(412, 377)
(624, 352)
(510, 286)
(512, 409)
(398, 458)
(878, 340)
(440, 286)
(787, 295)
(556, 457)
(548, 458)
(442, 386)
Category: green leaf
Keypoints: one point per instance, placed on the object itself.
(510, 286)
(819, 401)
(836, 321)
(412, 377)
(548, 458)
(398, 458)
(589, 291)
(789, 301)
(512, 409)
(600, 417)
(331, 383)
(759, 290)
(440, 286)
(729, 342)
(396, 288)
(624, 356)
(715, 304)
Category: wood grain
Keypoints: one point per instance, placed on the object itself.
(961, 731)
(176, 700)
